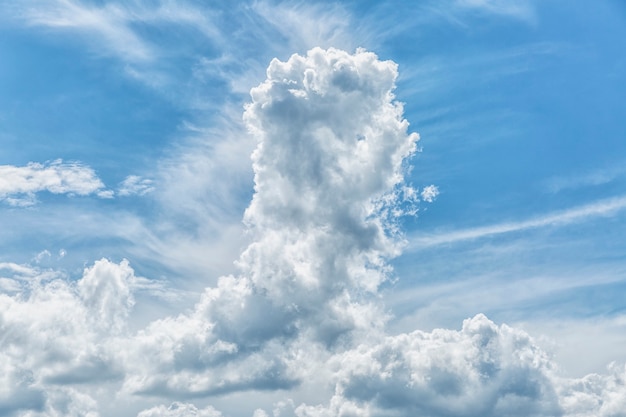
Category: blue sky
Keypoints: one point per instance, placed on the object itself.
(127, 190)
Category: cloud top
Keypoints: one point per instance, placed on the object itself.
(331, 144)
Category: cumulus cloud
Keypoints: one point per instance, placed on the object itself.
(331, 141)
(57, 335)
(303, 312)
(19, 185)
(596, 395)
(481, 370)
(430, 193)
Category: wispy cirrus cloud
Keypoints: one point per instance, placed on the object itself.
(605, 207)
(135, 185)
(138, 35)
(114, 27)
(522, 10)
(178, 409)
(308, 25)
(585, 179)
(106, 26)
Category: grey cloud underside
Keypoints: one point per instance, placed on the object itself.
(304, 312)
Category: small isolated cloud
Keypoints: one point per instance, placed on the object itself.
(135, 185)
(19, 185)
(430, 193)
(42, 256)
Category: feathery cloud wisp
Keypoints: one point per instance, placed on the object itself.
(604, 207)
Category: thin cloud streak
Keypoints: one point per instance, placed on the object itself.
(601, 208)
(517, 10)
(592, 178)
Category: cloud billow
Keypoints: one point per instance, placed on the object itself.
(481, 370)
(331, 142)
(303, 314)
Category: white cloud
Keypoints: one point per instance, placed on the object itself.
(303, 313)
(117, 29)
(592, 178)
(109, 27)
(318, 251)
(24, 274)
(8, 285)
(301, 278)
(19, 185)
(177, 409)
(108, 24)
(481, 370)
(44, 254)
(106, 289)
(430, 193)
(596, 395)
(331, 142)
(135, 185)
(521, 9)
(307, 25)
(606, 207)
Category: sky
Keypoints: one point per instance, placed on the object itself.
(312, 209)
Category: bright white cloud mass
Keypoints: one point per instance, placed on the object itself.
(18, 185)
(261, 266)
